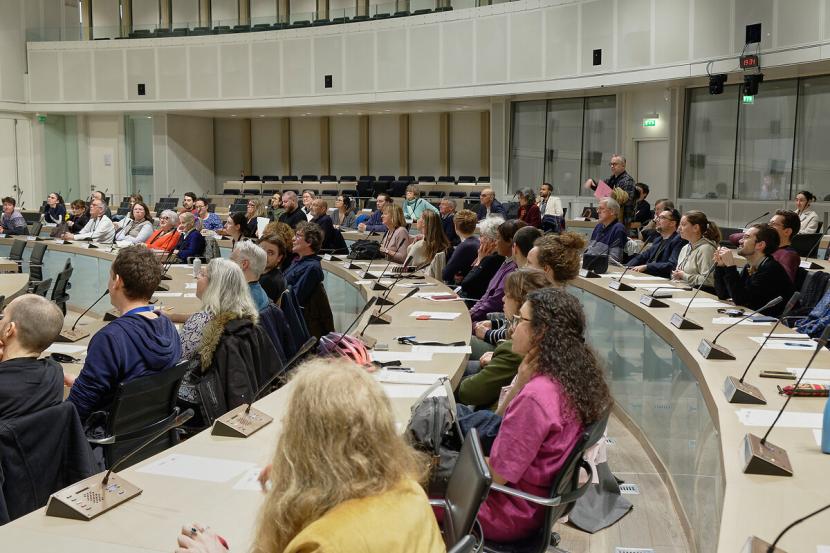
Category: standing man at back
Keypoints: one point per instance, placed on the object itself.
(620, 179)
(140, 342)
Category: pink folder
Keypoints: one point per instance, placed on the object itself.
(602, 191)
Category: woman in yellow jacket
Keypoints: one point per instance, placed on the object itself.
(343, 479)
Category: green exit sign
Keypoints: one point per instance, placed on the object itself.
(649, 122)
(749, 99)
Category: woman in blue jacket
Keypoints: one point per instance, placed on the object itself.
(414, 204)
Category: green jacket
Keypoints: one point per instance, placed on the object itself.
(483, 388)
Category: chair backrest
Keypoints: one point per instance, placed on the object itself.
(42, 287)
(16, 253)
(807, 244)
(211, 249)
(141, 406)
(436, 267)
(38, 251)
(36, 228)
(467, 489)
(59, 295)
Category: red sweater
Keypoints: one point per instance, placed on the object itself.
(530, 215)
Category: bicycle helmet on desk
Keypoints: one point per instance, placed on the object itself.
(337, 343)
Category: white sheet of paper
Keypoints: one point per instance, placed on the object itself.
(386, 356)
(731, 320)
(436, 296)
(409, 390)
(190, 295)
(415, 284)
(249, 480)
(400, 377)
(181, 266)
(641, 277)
(790, 419)
(443, 349)
(208, 469)
(68, 349)
(189, 285)
(436, 315)
(817, 435)
(799, 345)
(167, 295)
(812, 374)
(823, 549)
(787, 336)
(700, 302)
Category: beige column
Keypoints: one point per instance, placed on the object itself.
(363, 140)
(165, 15)
(485, 143)
(444, 143)
(205, 19)
(363, 7)
(244, 12)
(126, 14)
(404, 144)
(86, 13)
(284, 11)
(325, 145)
(285, 141)
(322, 9)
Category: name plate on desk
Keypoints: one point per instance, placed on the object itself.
(619, 285)
(809, 265)
(59, 241)
(681, 322)
(31, 238)
(2, 234)
(588, 273)
(651, 301)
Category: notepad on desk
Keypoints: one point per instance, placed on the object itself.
(192, 467)
(731, 320)
(812, 374)
(435, 315)
(401, 377)
(789, 419)
(442, 349)
(700, 302)
(795, 344)
(386, 356)
(66, 349)
(410, 390)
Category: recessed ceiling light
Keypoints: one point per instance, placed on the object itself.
(262, 116)
(340, 113)
(387, 110)
(233, 115)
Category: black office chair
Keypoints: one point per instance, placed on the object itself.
(466, 179)
(36, 263)
(141, 407)
(426, 178)
(36, 228)
(446, 179)
(290, 178)
(467, 489)
(467, 544)
(42, 287)
(807, 244)
(422, 11)
(59, 295)
(397, 189)
(16, 253)
(564, 493)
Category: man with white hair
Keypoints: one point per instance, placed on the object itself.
(620, 179)
(98, 229)
(447, 211)
(609, 234)
(251, 259)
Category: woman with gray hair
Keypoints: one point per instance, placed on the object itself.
(528, 210)
(222, 288)
(488, 261)
(166, 238)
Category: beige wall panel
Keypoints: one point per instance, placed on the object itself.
(598, 33)
(712, 32)
(391, 60)
(634, 33)
(561, 41)
(345, 145)
(457, 52)
(328, 61)
(76, 70)
(296, 59)
(204, 73)
(305, 146)
(525, 46)
(141, 68)
(423, 56)
(359, 71)
(265, 61)
(491, 44)
(172, 69)
(109, 75)
(671, 34)
(42, 77)
(236, 70)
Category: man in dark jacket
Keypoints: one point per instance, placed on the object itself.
(138, 343)
(761, 280)
(620, 179)
(447, 211)
(27, 384)
(660, 257)
(489, 205)
(293, 215)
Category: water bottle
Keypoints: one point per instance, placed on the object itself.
(825, 429)
(197, 267)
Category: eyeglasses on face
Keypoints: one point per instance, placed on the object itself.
(517, 319)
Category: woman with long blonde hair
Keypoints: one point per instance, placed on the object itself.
(432, 242)
(342, 478)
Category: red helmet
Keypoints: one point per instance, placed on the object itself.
(337, 343)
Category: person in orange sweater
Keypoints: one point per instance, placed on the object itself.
(166, 238)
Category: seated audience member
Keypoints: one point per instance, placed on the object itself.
(787, 225)
(251, 259)
(208, 220)
(660, 257)
(79, 217)
(496, 369)
(224, 293)
(396, 240)
(235, 227)
(333, 241)
(138, 343)
(528, 210)
(375, 222)
(55, 212)
(287, 234)
(414, 204)
(192, 243)
(489, 205)
(648, 231)
(818, 318)
(98, 195)
(809, 218)
(293, 215)
(252, 211)
(558, 391)
(609, 235)
(188, 204)
(29, 325)
(549, 204)
(330, 491)
(463, 255)
(99, 228)
(166, 238)
(447, 211)
(492, 300)
(305, 273)
(12, 221)
(432, 240)
(275, 208)
(135, 228)
(308, 198)
(343, 216)
(697, 257)
(642, 209)
(272, 279)
(484, 267)
(761, 280)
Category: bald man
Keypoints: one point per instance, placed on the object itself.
(489, 205)
(27, 384)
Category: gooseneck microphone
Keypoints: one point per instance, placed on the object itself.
(711, 350)
(735, 389)
(761, 456)
(680, 321)
(771, 548)
(650, 300)
(381, 317)
(756, 218)
(106, 292)
(617, 283)
(369, 304)
(290, 363)
(73, 335)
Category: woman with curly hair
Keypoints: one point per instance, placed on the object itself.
(559, 390)
(343, 478)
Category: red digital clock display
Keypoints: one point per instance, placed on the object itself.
(749, 62)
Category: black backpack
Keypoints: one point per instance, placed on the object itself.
(365, 249)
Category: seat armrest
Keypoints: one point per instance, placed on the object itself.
(569, 497)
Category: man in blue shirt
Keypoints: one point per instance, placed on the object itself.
(252, 259)
(609, 234)
(305, 273)
(375, 222)
(660, 257)
(138, 343)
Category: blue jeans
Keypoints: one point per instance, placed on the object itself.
(486, 422)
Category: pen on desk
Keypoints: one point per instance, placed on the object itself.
(401, 369)
(798, 345)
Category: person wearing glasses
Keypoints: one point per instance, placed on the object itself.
(208, 220)
(659, 258)
(99, 228)
(620, 179)
(787, 224)
(489, 205)
(166, 238)
(609, 236)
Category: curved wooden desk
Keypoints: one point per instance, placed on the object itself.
(12, 285)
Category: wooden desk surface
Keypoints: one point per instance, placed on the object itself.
(12, 285)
